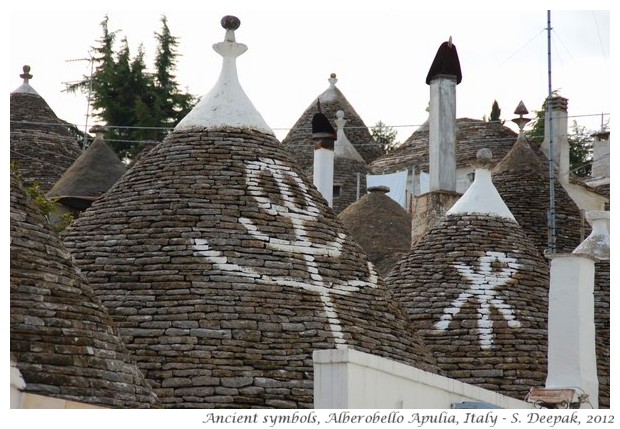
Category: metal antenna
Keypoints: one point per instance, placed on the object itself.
(90, 91)
(551, 216)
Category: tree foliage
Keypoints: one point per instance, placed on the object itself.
(385, 136)
(579, 140)
(495, 112)
(136, 104)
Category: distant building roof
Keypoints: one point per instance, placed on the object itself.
(471, 136)
(225, 269)
(298, 141)
(522, 180)
(62, 338)
(92, 174)
(42, 148)
(380, 226)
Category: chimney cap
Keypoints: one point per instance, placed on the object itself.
(321, 127)
(378, 189)
(446, 62)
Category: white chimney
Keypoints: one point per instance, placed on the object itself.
(600, 154)
(443, 76)
(558, 124)
(572, 349)
(572, 344)
(323, 136)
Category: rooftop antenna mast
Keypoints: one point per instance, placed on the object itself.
(90, 91)
(551, 215)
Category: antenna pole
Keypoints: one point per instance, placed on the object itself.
(551, 215)
(90, 91)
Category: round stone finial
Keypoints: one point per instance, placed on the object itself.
(332, 79)
(26, 74)
(230, 22)
(99, 130)
(340, 114)
(484, 154)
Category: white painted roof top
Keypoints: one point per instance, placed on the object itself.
(343, 148)
(226, 105)
(25, 87)
(482, 196)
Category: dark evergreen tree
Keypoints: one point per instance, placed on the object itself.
(171, 104)
(495, 112)
(580, 155)
(385, 136)
(135, 104)
(579, 140)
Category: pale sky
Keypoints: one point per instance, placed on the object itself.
(381, 52)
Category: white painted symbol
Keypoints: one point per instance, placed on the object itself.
(494, 271)
(299, 214)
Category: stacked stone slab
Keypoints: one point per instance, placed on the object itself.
(471, 136)
(42, 148)
(522, 179)
(602, 325)
(62, 338)
(90, 176)
(476, 289)
(380, 226)
(225, 269)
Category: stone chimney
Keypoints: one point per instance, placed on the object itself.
(558, 137)
(323, 136)
(443, 76)
(572, 346)
(600, 154)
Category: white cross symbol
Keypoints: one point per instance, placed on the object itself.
(483, 286)
(299, 215)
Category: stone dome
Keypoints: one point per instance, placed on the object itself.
(225, 269)
(62, 338)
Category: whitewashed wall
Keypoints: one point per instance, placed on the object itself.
(349, 379)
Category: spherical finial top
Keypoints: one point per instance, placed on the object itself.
(484, 154)
(230, 22)
(333, 75)
(26, 74)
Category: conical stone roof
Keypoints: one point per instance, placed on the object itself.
(41, 146)
(380, 226)
(62, 338)
(522, 179)
(92, 174)
(476, 289)
(225, 270)
(471, 136)
(298, 141)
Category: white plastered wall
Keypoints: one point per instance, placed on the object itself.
(350, 379)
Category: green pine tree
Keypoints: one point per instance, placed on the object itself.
(385, 136)
(579, 140)
(135, 104)
(495, 112)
